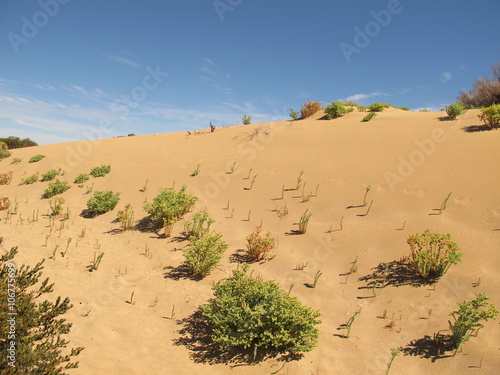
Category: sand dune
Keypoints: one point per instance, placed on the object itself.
(412, 160)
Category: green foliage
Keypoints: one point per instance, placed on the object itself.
(50, 175)
(38, 324)
(30, 179)
(169, 206)
(491, 116)
(4, 151)
(455, 109)
(304, 221)
(310, 108)
(16, 161)
(247, 120)
(203, 254)
(369, 116)
(56, 187)
(81, 178)
(199, 226)
(101, 171)
(432, 254)
(351, 104)
(248, 312)
(103, 201)
(378, 107)
(126, 217)
(336, 109)
(424, 110)
(56, 206)
(5, 178)
(16, 142)
(362, 108)
(294, 114)
(468, 318)
(258, 247)
(36, 158)
(404, 108)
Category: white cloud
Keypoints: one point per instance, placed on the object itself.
(122, 60)
(445, 77)
(357, 97)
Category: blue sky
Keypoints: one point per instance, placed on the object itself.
(81, 69)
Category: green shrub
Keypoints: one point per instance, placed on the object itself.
(16, 161)
(30, 179)
(432, 254)
(425, 110)
(101, 171)
(56, 206)
(169, 206)
(294, 114)
(55, 188)
(247, 120)
(369, 116)
(36, 158)
(468, 319)
(310, 108)
(39, 323)
(351, 104)
(81, 178)
(336, 109)
(378, 107)
(404, 108)
(362, 108)
(491, 116)
(126, 217)
(5, 178)
(203, 254)
(249, 312)
(199, 226)
(103, 201)
(4, 151)
(258, 247)
(50, 175)
(456, 109)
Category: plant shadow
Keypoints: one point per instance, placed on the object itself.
(180, 272)
(476, 128)
(196, 336)
(430, 347)
(148, 225)
(399, 273)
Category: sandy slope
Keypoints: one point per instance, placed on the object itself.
(413, 160)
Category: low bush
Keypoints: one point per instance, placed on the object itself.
(432, 254)
(81, 178)
(247, 120)
(4, 151)
(199, 226)
(310, 108)
(378, 107)
(491, 116)
(5, 178)
(468, 319)
(103, 201)
(351, 104)
(36, 158)
(369, 116)
(455, 109)
(30, 179)
(101, 171)
(56, 206)
(294, 114)
(404, 108)
(336, 109)
(55, 188)
(249, 312)
(203, 254)
(258, 247)
(16, 161)
(50, 175)
(126, 217)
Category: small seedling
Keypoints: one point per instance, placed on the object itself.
(67, 245)
(354, 266)
(54, 252)
(299, 180)
(132, 298)
(283, 192)
(196, 171)
(227, 207)
(249, 173)
(231, 170)
(96, 262)
(368, 188)
(251, 183)
(477, 283)
(232, 213)
(369, 208)
(394, 354)
(83, 232)
(46, 239)
(316, 278)
(89, 189)
(386, 271)
(304, 221)
(172, 313)
(290, 289)
(145, 187)
(350, 322)
(300, 267)
(443, 206)
(341, 219)
(249, 213)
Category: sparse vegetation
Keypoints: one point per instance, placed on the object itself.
(203, 254)
(30, 179)
(103, 201)
(199, 226)
(4, 151)
(50, 175)
(378, 107)
(55, 188)
(126, 217)
(455, 109)
(36, 158)
(258, 247)
(5, 178)
(196, 171)
(56, 206)
(16, 142)
(432, 254)
(485, 91)
(337, 109)
(310, 108)
(16, 161)
(468, 318)
(491, 116)
(81, 178)
(101, 171)
(252, 313)
(369, 116)
(247, 120)
(294, 114)
(304, 222)
(368, 188)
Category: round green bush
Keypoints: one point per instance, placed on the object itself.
(103, 201)
(454, 110)
(336, 109)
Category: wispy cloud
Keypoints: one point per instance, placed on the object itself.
(122, 60)
(358, 97)
(213, 78)
(445, 77)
